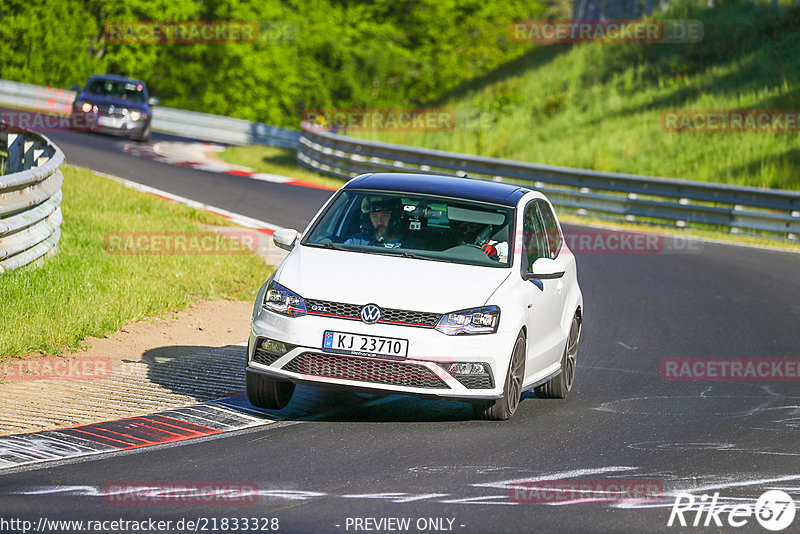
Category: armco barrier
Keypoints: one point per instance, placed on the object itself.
(610, 195)
(190, 124)
(30, 197)
(623, 196)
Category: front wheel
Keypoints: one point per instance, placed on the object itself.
(559, 386)
(266, 392)
(502, 409)
(144, 136)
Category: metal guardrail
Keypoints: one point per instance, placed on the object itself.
(624, 196)
(621, 196)
(190, 124)
(30, 197)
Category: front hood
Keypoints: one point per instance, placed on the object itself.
(390, 282)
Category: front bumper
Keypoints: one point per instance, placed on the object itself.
(121, 126)
(424, 372)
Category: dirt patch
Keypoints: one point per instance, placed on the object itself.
(208, 324)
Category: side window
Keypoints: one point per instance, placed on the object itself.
(533, 239)
(550, 228)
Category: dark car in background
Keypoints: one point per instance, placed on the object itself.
(115, 105)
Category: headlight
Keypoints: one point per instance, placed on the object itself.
(135, 115)
(281, 300)
(473, 321)
(86, 107)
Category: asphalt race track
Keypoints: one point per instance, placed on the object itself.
(352, 467)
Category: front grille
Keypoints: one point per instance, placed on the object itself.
(388, 315)
(326, 307)
(264, 357)
(117, 113)
(365, 370)
(475, 381)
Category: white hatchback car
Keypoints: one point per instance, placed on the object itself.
(426, 285)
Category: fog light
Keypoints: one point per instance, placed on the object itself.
(275, 347)
(467, 369)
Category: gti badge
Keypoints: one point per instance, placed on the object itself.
(370, 314)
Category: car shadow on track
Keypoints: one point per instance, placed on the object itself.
(217, 374)
(203, 373)
(317, 404)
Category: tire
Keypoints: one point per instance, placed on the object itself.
(559, 386)
(503, 409)
(144, 136)
(266, 392)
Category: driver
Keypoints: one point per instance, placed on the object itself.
(382, 218)
(478, 235)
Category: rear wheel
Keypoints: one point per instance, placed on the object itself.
(559, 386)
(266, 392)
(502, 409)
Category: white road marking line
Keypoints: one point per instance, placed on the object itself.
(507, 484)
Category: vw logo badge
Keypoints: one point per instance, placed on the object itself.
(370, 314)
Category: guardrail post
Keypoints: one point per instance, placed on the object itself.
(16, 151)
(33, 150)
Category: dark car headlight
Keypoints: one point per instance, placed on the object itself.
(284, 301)
(483, 320)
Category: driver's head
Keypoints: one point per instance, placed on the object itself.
(380, 223)
(467, 231)
(381, 212)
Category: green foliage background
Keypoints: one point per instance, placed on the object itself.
(311, 54)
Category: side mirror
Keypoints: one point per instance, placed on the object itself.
(285, 238)
(76, 88)
(544, 269)
(153, 101)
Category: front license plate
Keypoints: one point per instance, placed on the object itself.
(111, 122)
(361, 345)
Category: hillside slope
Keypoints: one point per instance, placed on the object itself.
(599, 105)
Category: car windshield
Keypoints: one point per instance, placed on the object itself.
(421, 226)
(130, 91)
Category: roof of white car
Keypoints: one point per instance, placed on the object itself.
(447, 186)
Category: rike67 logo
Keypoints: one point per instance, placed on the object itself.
(774, 510)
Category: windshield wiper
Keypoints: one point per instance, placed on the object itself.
(330, 245)
(415, 256)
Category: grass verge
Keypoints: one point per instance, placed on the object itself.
(275, 160)
(83, 290)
